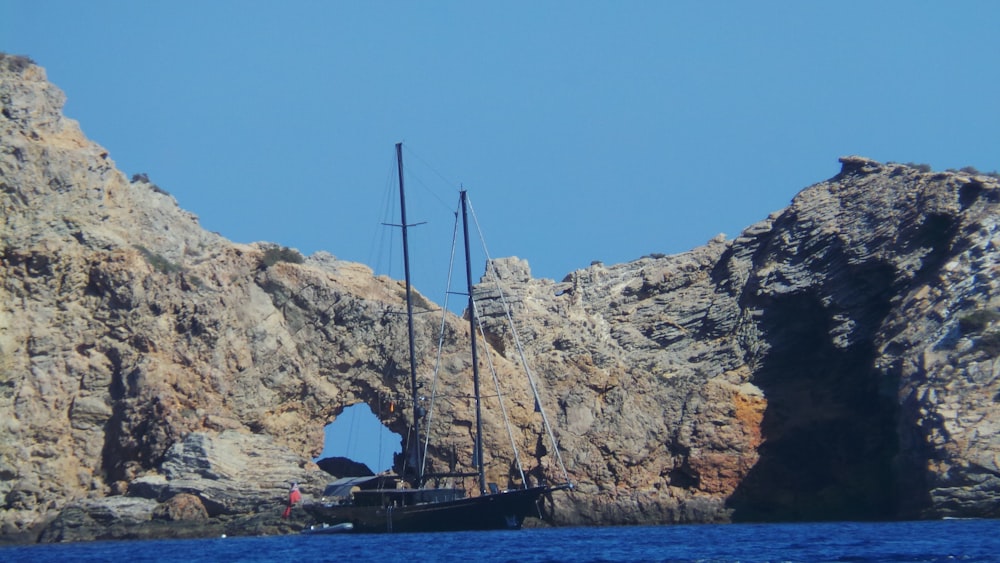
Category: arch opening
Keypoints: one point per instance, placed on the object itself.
(357, 443)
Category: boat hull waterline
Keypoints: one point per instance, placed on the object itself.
(504, 510)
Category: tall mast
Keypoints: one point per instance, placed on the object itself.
(415, 444)
(475, 356)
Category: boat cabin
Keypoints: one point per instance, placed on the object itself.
(384, 490)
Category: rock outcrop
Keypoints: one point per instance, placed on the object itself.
(836, 360)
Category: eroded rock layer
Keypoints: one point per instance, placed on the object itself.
(836, 360)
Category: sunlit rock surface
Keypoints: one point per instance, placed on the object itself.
(835, 360)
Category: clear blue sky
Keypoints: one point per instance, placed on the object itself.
(359, 435)
(584, 130)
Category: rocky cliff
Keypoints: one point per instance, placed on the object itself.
(836, 360)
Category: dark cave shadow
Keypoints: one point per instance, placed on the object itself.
(830, 440)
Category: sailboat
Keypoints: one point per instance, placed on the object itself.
(392, 503)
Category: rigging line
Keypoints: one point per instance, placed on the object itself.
(491, 270)
(406, 450)
(430, 167)
(350, 434)
(464, 396)
(496, 383)
(414, 177)
(415, 313)
(382, 231)
(437, 359)
(380, 433)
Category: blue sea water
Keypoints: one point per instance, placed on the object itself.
(946, 540)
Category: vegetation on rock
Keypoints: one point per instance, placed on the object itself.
(275, 254)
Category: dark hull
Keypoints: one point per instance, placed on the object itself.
(498, 511)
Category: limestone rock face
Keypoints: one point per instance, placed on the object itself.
(141, 355)
(228, 472)
(835, 360)
(182, 506)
